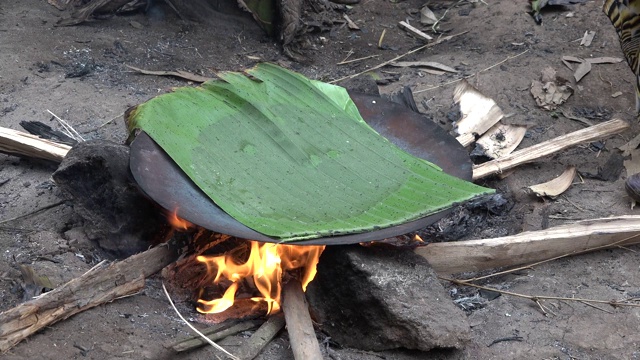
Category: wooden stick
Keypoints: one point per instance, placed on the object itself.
(97, 286)
(549, 147)
(532, 246)
(215, 333)
(440, 40)
(414, 31)
(21, 143)
(299, 326)
(254, 345)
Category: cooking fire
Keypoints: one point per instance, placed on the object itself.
(264, 268)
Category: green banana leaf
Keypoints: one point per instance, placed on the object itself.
(292, 158)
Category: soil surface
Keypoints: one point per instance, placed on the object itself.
(79, 74)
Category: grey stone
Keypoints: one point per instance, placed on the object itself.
(381, 298)
(95, 174)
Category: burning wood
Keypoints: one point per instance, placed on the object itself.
(265, 265)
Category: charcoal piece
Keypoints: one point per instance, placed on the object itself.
(361, 85)
(381, 298)
(46, 132)
(486, 216)
(95, 174)
(610, 171)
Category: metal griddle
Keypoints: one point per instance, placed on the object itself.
(163, 181)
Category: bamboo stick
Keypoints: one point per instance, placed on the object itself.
(549, 147)
(532, 246)
(24, 144)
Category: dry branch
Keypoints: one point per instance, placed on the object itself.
(439, 41)
(532, 246)
(97, 286)
(299, 326)
(549, 147)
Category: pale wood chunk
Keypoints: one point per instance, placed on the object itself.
(532, 246)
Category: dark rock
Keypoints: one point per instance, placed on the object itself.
(119, 218)
(381, 298)
(362, 85)
(610, 171)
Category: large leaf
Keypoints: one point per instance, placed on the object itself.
(292, 158)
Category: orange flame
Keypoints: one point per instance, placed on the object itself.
(176, 222)
(265, 267)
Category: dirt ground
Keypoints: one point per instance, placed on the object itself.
(79, 74)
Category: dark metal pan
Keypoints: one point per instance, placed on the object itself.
(164, 182)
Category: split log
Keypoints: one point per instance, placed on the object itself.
(549, 147)
(299, 326)
(98, 286)
(532, 246)
(24, 144)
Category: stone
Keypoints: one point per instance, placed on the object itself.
(381, 297)
(95, 174)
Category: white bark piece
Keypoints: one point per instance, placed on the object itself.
(557, 186)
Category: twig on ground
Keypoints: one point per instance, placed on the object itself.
(344, 62)
(439, 41)
(68, 128)
(108, 121)
(435, 24)
(538, 298)
(596, 307)
(34, 212)
(626, 248)
(510, 57)
(205, 338)
(349, 53)
(384, 31)
(510, 338)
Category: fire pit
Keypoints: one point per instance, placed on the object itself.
(408, 130)
(265, 264)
